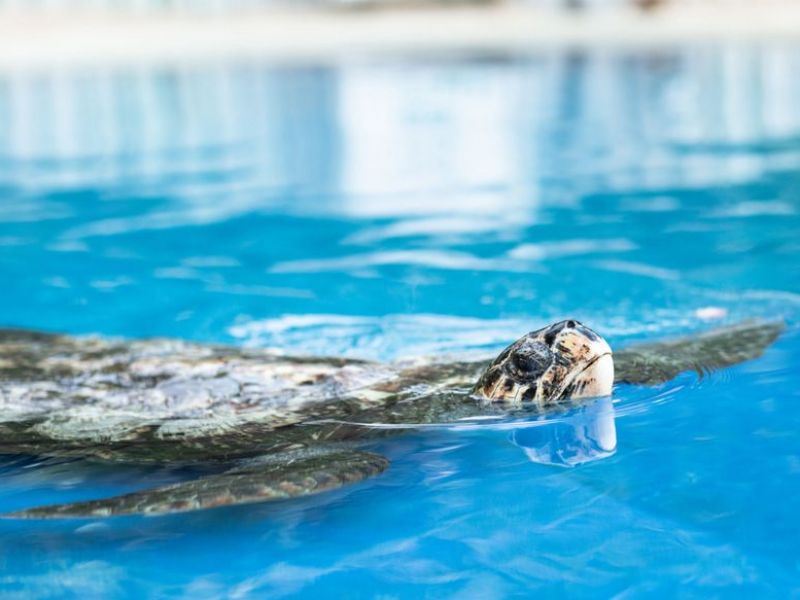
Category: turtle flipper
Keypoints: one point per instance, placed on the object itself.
(278, 478)
(658, 362)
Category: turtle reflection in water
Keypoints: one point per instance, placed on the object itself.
(280, 427)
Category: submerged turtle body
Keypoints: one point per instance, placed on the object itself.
(287, 426)
(84, 388)
(170, 401)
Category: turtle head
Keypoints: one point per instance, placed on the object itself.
(565, 360)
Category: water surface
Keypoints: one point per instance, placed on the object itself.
(398, 208)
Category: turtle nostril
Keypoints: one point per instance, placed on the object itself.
(571, 324)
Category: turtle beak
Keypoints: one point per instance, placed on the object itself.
(596, 379)
(592, 374)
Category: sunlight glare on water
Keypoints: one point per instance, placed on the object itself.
(399, 209)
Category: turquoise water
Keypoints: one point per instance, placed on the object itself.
(395, 208)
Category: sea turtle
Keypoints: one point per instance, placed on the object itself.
(280, 427)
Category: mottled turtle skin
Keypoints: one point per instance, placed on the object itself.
(281, 427)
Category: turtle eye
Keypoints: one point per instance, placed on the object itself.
(531, 361)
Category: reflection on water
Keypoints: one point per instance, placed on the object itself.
(452, 136)
(586, 435)
(403, 209)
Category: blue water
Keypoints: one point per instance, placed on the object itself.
(398, 208)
